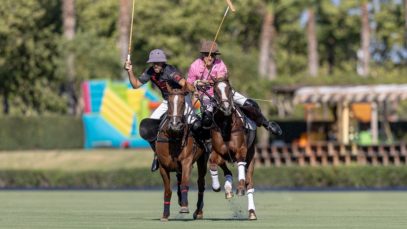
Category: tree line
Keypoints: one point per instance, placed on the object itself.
(49, 47)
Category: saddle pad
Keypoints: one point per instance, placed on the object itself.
(249, 124)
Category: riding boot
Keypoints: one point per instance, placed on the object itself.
(273, 127)
(154, 164)
(252, 110)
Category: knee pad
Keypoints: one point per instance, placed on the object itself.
(196, 127)
(207, 119)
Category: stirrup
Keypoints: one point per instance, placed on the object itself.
(207, 145)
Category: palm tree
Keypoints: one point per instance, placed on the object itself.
(68, 17)
(405, 23)
(365, 39)
(267, 65)
(312, 43)
(124, 23)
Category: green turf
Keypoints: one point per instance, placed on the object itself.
(76, 160)
(142, 209)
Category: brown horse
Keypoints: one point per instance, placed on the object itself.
(177, 151)
(231, 142)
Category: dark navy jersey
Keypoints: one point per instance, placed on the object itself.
(168, 75)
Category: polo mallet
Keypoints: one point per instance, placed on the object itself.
(231, 7)
(131, 32)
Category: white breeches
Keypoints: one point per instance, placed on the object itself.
(162, 109)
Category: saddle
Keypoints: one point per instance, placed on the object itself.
(250, 127)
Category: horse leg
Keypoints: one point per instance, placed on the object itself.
(213, 169)
(241, 166)
(179, 177)
(228, 180)
(202, 169)
(249, 185)
(165, 175)
(186, 172)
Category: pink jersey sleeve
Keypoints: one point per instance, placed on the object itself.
(222, 70)
(193, 72)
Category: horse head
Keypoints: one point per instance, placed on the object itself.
(176, 108)
(223, 95)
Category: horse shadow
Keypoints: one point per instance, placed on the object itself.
(204, 219)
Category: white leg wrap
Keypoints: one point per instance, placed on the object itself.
(215, 179)
(242, 170)
(228, 182)
(250, 199)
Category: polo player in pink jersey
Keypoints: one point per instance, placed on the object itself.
(209, 67)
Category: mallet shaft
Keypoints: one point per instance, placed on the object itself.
(131, 31)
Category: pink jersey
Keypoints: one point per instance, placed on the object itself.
(198, 71)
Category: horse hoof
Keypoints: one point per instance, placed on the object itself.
(198, 215)
(252, 215)
(184, 210)
(216, 189)
(164, 219)
(240, 192)
(228, 195)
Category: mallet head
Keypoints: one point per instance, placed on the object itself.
(229, 2)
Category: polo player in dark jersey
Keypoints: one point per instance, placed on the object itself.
(160, 73)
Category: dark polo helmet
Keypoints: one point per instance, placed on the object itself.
(157, 56)
(207, 45)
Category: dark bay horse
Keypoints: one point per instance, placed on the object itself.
(232, 142)
(177, 151)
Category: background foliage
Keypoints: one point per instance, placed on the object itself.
(33, 49)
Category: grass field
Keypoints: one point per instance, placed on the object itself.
(142, 209)
(76, 160)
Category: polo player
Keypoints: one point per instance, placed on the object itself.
(160, 73)
(209, 67)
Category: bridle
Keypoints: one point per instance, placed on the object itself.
(228, 99)
(177, 93)
(214, 99)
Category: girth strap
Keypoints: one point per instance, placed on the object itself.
(160, 139)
